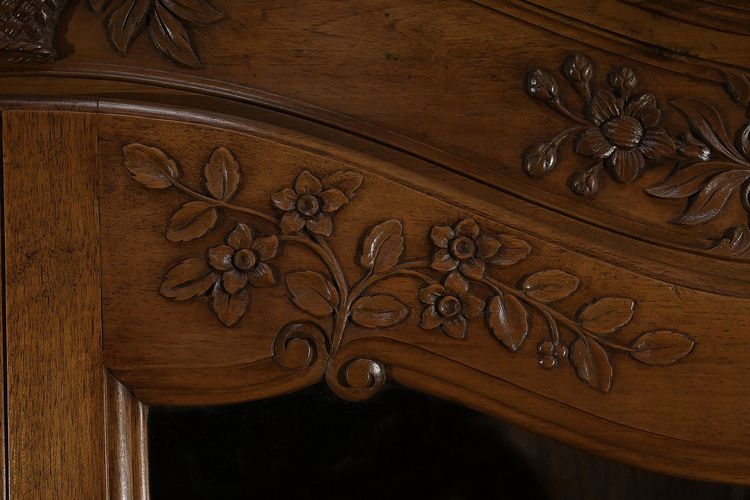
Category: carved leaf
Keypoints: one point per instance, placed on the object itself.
(192, 221)
(607, 315)
(550, 286)
(229, 307)
(662, 347)
(592, 364)
(126, 21)
(193, 11)
(383, 246)
(736, 242)
(688, 180)
(705, 122)
(222, 173)
(710, 201)
(539, 159)
(378, 311)
(512, 250)
(508, 320)
(738, 86)
(312, 293)
(188, 279)
(743, 140)
(346, 181)
(98, 6)
(149, 166)
(170, 37)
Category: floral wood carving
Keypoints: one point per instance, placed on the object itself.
(619, 129)
(168, 23)
(458, 288)
(27, 29)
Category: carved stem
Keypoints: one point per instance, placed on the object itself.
(221, 203)
(553, 317)
(342, 311)
(557, 105)
(499, 287)
(565, 134)
(407, 268)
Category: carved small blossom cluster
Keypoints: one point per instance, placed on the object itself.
(618, 129)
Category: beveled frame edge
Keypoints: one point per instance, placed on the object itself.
(127, 443)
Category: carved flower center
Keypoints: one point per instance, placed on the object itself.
(244, 259)
(308, 204)
(463, 247)
(623, 131)
(449, 306)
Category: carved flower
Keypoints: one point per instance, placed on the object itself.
(462, 247)
(243, 259)
(449, 306)
(309, 204)
(625, 132)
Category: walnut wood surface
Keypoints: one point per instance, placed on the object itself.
(127, 447)
(567, 179)
(55, 385)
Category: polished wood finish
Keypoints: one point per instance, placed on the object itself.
(55, 380)
(452, 196)
(127, 443)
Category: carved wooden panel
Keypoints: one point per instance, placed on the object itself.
(463, 290)
(502, 203)
(241, 265)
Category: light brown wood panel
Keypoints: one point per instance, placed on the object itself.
(53, 321)
(202, 352)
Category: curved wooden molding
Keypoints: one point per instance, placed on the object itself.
(333, 327)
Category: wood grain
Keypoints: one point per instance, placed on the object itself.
(53, 323)
(180, 352)
(127, 443)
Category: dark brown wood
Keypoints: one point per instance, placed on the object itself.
(27, 29)
(55, 379)
(371, 193)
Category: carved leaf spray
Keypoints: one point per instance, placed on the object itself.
(619, 129)
(455, 284)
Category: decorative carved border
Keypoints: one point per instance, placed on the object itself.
(619, 128)
(457, 284)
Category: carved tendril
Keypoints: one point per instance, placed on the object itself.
(459, 284)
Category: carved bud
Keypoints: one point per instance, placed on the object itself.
(623, 79)
(539, 159)
(745, 195)
(578, 68)
(540, 84)
(690, 147)
(585, 183)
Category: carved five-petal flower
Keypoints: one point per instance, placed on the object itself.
(243, 259)
(625, 132)
(449, 306)
(463, 247)
(308, 205)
